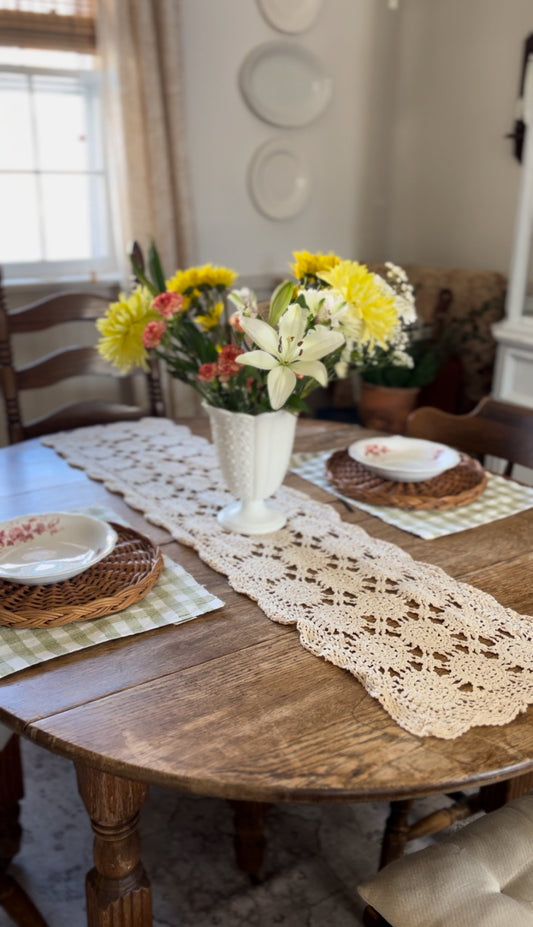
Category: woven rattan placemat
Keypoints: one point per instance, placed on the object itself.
(120, 579)
(457, 486)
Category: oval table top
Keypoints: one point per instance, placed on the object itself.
(230, 704)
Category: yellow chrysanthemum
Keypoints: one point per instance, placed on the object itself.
(206, 275)
(122, 328)
(367, 302)
(210, 319)
(309, 265)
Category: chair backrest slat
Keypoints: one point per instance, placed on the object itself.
(495, 428)
(64, 363)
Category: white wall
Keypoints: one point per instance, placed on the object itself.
(454, 181)
(409, 162)
(346, 147)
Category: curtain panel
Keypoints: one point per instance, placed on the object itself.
(138, 44)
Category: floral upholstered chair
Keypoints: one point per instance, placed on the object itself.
(472, 301)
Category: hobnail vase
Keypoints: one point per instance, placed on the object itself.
(254, 452)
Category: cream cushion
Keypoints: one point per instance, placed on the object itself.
(481, 875)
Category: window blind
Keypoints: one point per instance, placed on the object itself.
(67, 25)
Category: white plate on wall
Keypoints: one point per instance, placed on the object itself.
(48, 548)
(278, 180)
(290, 15)
(407, 460)
(284, 84)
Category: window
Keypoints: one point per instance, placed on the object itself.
(53, 183)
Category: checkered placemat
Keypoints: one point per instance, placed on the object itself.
(500, 499)
(175, 598)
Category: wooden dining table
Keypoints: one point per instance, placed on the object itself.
(230, 704)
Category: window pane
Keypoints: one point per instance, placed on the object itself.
(70, 216)
(59, 7)
(61, 124)
(19, 229)
(45, 58)
(16, 148)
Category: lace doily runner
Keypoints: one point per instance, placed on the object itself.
(439, 655)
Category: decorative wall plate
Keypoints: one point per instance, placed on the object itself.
(278, 179)
(284, 84)
(290, 15)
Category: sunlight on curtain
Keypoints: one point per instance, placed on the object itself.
(67, 24)
(138, 45)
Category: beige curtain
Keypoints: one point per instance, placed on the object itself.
(138, 44)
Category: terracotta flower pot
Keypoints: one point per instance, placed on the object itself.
(386, 408)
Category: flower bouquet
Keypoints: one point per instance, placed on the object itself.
(251, 359)
(410, 357)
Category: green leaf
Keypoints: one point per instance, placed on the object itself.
(156, 271)
(279, 301)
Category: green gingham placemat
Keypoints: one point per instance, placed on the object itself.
(175, 598)
(499, 499)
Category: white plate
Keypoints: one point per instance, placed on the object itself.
(278, 180)
(408, 460)
(284, 84)
(49, 548)
(290, 15)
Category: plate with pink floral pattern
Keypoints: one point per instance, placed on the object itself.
(406, 460)
(50, 547)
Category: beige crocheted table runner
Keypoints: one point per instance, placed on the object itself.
(440, 656)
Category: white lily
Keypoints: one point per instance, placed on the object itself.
(289, 352)
(245, 300)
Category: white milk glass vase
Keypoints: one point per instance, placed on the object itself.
(254, 452)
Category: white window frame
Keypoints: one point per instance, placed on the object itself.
(91, 269)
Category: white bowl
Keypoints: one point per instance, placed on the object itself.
(406, 460)
(51, 547)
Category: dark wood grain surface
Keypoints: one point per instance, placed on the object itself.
(230, 704)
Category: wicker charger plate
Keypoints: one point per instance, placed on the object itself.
(120, 579)
(457, 486)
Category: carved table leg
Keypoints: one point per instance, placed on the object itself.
(396, 831)
(249, 840)
(13, 898)
(118, 890)
(11, 792)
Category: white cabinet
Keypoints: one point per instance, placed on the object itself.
(513, 378)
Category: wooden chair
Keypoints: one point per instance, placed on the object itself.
(494, 428)
(61, 365)
(46, 370)
(13, 899)
(502, 430)
(482, 874)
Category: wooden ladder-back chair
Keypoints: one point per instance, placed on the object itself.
(62, 364)
(498, 429)
(493, 428)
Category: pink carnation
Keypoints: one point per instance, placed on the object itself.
(167, 304)
(153, 333)
(226, 361)
(235, 322)
(207, 372)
